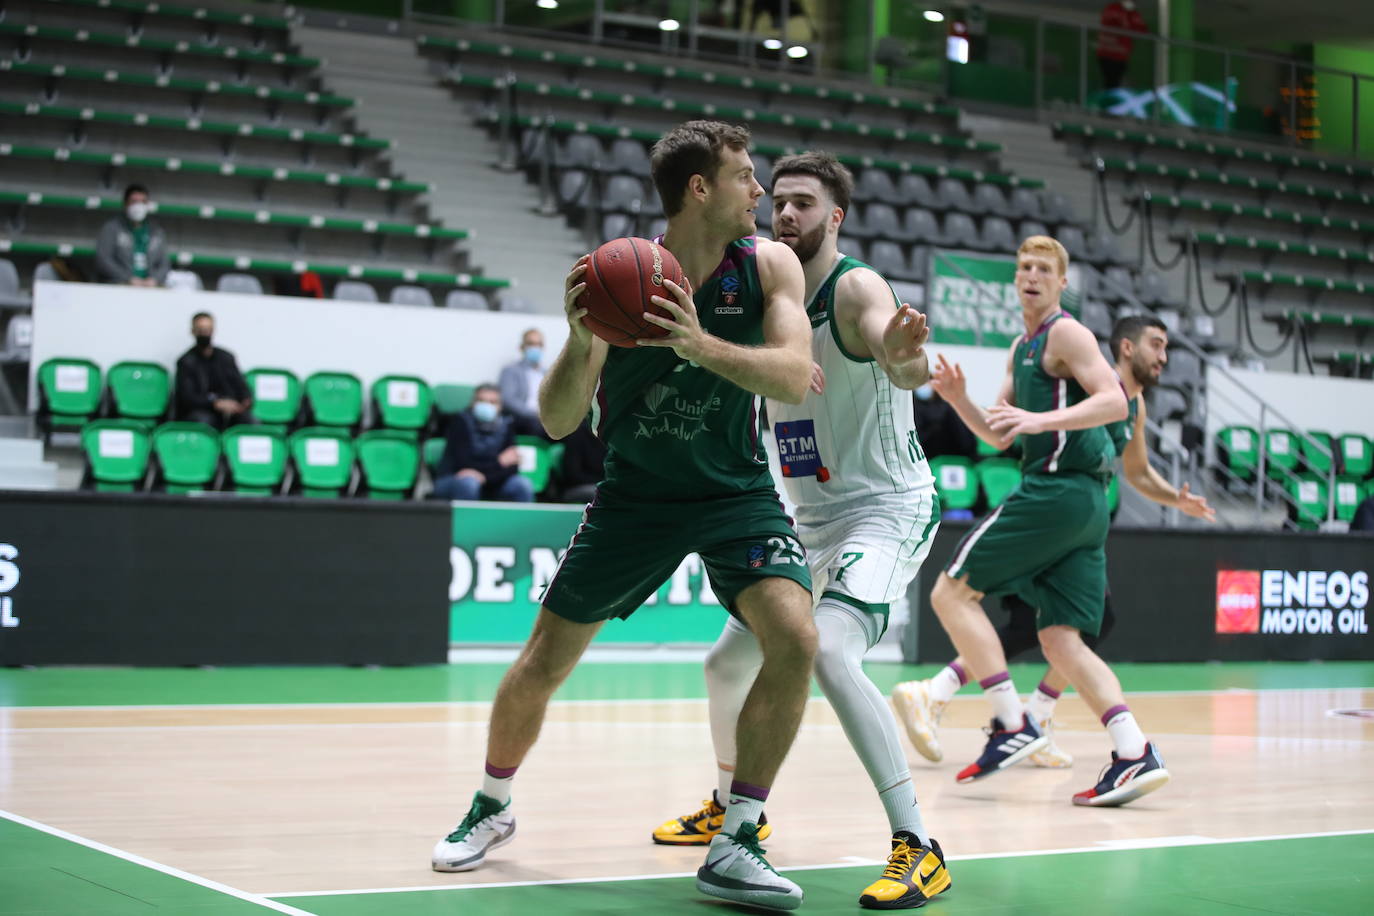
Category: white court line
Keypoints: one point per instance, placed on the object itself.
(258, 899)
(1117, 846)
(637, 701)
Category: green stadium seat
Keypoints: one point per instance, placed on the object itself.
(402, 402)
(433, 451)
(1357, 454)
(1348, 497)
(187, 455)
(955, 481)
(452, 399)
(335, 399)
(1308, 493)
(1282, 453)
(390, 460)
(1317, 449)
(323, 457)
(276, 396)
(986, 451)
(1240, 445)
(1113, 494)
(117, 453)
(139, 391)
(998, 477)
(538, 458)
(256, 459)
(69, 392)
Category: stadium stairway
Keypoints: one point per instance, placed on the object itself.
(397, 97)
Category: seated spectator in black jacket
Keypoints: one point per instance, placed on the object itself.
(480, 460)
(584, 457)
(940, 429)
(1364, 517)
(210, 387)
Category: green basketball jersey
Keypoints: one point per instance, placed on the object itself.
(1058, 451)
(676, 431)
(1122, 431)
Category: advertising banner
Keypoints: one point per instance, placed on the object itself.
(971, 299)
(502, 557)
(1190, 595)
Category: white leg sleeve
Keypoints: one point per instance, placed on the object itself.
(846, 633)
(731, 666)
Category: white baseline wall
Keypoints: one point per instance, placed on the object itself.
(109, 324)
(1307, 402)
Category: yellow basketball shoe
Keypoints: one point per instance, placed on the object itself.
(1051, 755)
(914, 875)
(921, 717)
(700, 828)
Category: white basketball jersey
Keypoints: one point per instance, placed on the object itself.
(858, 440)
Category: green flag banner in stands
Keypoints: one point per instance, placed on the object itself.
(503, 556)
(971, 299)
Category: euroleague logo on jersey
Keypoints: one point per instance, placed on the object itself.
(729, 292)
(1282, 601)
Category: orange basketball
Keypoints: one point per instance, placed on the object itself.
(621, 276)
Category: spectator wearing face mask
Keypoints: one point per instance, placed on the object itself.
(520, 383)
(131, 248)
(480, 460)
(210, 387)
(940, 429)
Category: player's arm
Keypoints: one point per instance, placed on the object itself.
(1074, 348)
(949, 383)
(1135, 462)
(779, 369)
(566, 393)
(897, 340)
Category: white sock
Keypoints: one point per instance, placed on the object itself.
(497, 786)
(903, 813)
(846, 633)
(1125, 733)
(731, 667)
(742, 809)
(946, 684)
(1001, 693)
(1041, 703)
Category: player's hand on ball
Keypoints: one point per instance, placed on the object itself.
(905, 335)
(685, 334)
(573, 287)
(948, 380)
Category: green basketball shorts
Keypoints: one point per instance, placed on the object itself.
(625, 549)
(1047, 543)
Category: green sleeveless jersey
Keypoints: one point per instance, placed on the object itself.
(673, 430)
(1123, 430)
(1087, 451)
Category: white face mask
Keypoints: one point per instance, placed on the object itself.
(137, 212)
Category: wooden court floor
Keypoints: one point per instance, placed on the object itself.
(260, 790)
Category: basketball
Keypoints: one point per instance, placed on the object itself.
(621, 277)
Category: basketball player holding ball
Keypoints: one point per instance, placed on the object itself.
(685, 472)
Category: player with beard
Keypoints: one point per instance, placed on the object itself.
(1140, 347)
(686, 472)
(866, 512)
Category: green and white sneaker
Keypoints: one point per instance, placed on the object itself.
(736, 870)
(488, 824)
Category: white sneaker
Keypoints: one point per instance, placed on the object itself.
(736, 870)
(488, 824)
(1051, 755)
(921, 716)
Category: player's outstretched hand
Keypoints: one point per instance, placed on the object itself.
(574, 285)
(1010, 422)
(685, 333)
(817, 378)
(1194, 505)
(948, 380)
(905, 335)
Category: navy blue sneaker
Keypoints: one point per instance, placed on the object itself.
(1126, 780)
(1005, 747)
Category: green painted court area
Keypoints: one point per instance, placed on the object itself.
(476, 682)
(46, 875)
